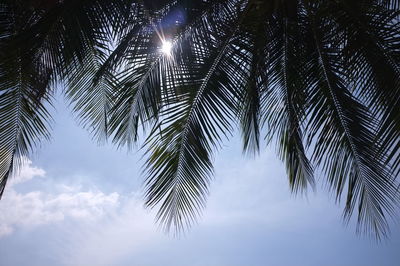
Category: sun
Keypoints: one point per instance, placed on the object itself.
(166, 48)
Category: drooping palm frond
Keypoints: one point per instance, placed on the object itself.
(92, 99)
(285, 105)
(39, 41)
(249, 108)
(194, 124)
(345, 132)
(372, 60)
(24, 93)
(142, 80)
(25, 119)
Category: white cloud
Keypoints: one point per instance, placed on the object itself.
(250, 215)
(130, 229)
(26, 173)
(34, 208)
(246, 194)
(109, 229)
(5, 230)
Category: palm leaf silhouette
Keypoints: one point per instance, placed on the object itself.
(319, 78)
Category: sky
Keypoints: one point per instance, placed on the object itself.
(78, 203)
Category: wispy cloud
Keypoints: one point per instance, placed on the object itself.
(247, 195)
(34, 208)
(251, 217)
(26, 173)
(128, 230)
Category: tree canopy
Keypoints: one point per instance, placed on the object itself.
(319, 78)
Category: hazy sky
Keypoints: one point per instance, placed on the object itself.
(79, 204)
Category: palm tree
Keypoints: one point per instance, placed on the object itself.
(321, 78)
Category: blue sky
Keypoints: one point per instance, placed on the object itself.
(76, 203)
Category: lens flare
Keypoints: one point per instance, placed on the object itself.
(166, 48)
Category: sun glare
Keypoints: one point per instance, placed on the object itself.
(166, 48)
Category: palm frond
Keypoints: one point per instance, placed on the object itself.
(372, 55)
(345, 139)
(285, 103)
(41, 42)
(180, 163)
(92, 99)
(24, 119)
(138, 100)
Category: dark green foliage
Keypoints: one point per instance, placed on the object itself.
(321, 78)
